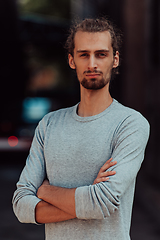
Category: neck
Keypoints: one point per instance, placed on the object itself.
(94, 102)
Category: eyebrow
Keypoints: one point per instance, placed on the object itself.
(97, 51)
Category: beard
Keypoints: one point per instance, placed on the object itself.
(95, 83)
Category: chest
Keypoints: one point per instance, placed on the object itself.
(74, 153)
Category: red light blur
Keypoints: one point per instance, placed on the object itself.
(12, 141)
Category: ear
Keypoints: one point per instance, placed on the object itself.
(71, 61)
(116, 60)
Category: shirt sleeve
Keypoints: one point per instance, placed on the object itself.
(25, 199)
(128, 146)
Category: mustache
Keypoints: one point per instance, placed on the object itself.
(95, 71)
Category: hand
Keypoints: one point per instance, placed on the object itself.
(40, 189)
(103, 174)
(46, 182)
(59, 197)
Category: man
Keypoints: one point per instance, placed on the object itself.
(81, 200)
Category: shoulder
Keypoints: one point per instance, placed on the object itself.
(124, 112)
(50, 119)
(56, 116)
(131, 119)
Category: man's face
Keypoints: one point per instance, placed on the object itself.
(93, 59)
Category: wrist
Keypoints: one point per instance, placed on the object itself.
(42, 191)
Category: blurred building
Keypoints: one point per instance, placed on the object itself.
(33, 63)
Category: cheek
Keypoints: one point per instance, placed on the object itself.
(79, 74)
(109, 65)
(79, 69)
(108, 69)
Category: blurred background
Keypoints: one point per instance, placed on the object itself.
(35, 79)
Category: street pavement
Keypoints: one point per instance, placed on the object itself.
(145, 221)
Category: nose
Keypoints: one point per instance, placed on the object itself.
(92, 64)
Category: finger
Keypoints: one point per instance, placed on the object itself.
(107, 165)
(103, 179)
(106, 174)
(46, 182)
(109, 160)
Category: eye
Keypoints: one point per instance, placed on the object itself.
(101, 55)
(84, 55)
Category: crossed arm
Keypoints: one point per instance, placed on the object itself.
(58, 204)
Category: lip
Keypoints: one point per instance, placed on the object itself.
(93, 75)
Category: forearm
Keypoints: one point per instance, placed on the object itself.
(47, 213)
(62, 198)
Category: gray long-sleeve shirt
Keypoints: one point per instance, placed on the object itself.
(70, 150)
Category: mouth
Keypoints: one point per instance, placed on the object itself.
(95, 75)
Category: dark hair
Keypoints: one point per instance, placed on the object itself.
(95, 25)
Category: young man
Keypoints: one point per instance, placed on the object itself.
(81, 200)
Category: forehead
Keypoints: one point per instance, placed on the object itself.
(92, 40)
